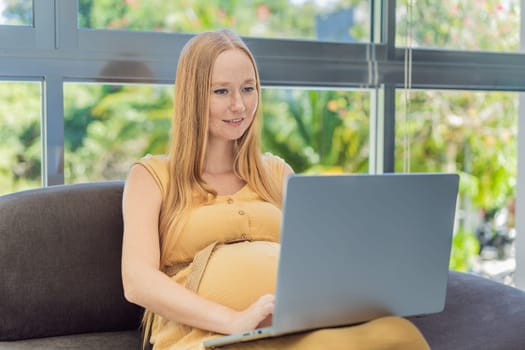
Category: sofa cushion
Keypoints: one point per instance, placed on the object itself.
(479, 314)
(60, 257)
(126, 340)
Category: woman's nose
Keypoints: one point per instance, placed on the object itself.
(237, 102)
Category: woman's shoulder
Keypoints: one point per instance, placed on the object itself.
(158, 167)
(271, 160)
(277, 169)
(155, 160)
(276, 165)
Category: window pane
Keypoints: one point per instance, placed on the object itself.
(108, 127)
(20, 139)
(320, 131)
(16, 12)
(328, 20)
(488, 25)
(475, 135)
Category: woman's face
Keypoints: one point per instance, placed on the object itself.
(234, 96)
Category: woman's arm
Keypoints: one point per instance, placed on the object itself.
(147, 286)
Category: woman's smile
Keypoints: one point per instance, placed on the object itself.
(234, 122)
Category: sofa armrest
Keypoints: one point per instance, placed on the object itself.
(60, 262)
(479, 314)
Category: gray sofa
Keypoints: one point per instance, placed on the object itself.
(61, 289)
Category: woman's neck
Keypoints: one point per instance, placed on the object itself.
(219, 158)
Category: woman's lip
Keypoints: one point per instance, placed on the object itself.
(233, 121)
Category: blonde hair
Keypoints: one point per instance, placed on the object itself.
(189, 139)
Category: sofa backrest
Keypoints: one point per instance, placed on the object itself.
(60, 251)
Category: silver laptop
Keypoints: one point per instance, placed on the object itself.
(359, 247)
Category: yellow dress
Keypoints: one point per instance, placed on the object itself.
(228, 252)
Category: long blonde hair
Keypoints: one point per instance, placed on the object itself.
(189, 139)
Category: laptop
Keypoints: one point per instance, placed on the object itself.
(358, 247)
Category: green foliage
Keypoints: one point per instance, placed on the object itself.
(17, 12)
(20, 163)
(317, 131)
(113, 125)
(464, 247)
(463, 132)
(252, 18)
(453, 24)
(471, 133)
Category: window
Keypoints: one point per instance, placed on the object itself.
(334, 20)
(475, 135)
(332, 73)
(19, 12)
(319, 131)
(485, 25)
(108, 127)
(20, 137)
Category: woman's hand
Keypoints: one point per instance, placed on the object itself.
(257, 314)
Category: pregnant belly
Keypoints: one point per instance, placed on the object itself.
(237, 274)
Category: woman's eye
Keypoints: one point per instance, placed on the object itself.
(220, 91)
(249, 89)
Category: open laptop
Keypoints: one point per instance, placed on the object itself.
(359, 247)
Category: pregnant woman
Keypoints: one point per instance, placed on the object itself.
(201, 224)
